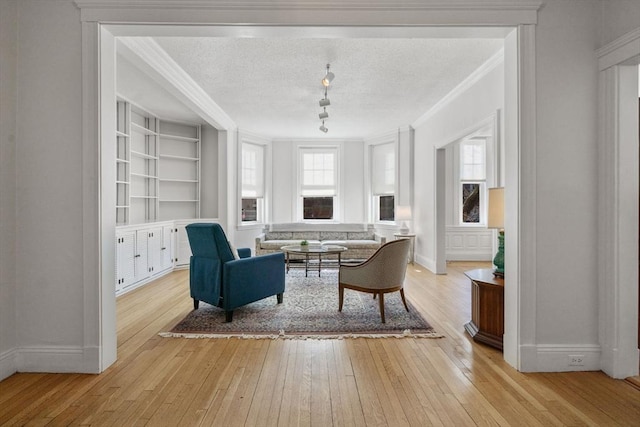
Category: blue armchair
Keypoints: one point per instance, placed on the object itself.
(219, 279)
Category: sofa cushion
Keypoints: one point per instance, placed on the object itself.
(279, 235)
(361, 244)
(333, 235)
(306, 235)
(361, 235)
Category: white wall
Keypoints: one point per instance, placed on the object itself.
(451, 122)
(566, 157)
(8, 66)
(209, 198)
(49, 268)
(618, 17)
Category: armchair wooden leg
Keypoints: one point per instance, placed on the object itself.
(280, 297)
(196, 304)
(228, 316)
(340, 297)
(404, 301)
(381, 301)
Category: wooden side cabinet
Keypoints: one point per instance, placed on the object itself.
(487, 307)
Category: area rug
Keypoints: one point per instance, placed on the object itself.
(309, 310)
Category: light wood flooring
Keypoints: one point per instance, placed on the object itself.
(353, 382)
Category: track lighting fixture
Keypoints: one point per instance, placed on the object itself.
(324, 102)
(328, 77)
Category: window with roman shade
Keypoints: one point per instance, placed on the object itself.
(252, 180)
(318, 182)
(383, 180)
(472, 181)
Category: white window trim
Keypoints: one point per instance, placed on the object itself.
(263, 202)
(336, 149)
(457, 188)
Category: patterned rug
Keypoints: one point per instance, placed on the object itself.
(309, 310)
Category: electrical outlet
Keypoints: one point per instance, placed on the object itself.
(576, 360)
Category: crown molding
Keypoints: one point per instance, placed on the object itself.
(621, 49)
(493, 62)
(382, 5)
(157, 61)
(301, 12)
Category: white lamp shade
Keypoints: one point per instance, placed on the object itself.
(496, 208)
(403, 213)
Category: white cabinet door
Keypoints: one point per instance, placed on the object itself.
(184, 250)
(141, 256)
(154, 256)
(125, 265)
(166, 249)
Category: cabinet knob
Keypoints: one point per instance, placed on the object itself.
(137, 256)
(162, 249)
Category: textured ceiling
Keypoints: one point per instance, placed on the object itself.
(271, 86)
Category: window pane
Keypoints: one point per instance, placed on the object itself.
(471, 203)
(249, 210)
(387, 208)
(317, 207)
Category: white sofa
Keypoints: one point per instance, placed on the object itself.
(361, 240)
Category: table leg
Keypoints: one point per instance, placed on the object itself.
(287, 262)
(306, 265)
(319, 264)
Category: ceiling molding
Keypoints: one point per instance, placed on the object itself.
(308, 5)
(160, 66)
(619, 50)
(380, 12)
(478, 74)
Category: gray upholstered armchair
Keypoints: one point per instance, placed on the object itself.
(383, 272)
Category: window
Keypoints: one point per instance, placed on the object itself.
(386, 208)
(252, 176)
(318, 182)
(383, 180)
(472, 181)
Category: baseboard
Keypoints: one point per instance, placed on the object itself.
(469, 256)
(8, 364)
(428, 263)
(560, 358)
(58, 359)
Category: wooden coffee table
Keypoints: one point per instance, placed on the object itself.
(307, 250)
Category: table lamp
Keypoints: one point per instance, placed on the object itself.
(403, 213)
(496, 220)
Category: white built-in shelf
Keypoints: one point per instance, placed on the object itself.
(179, 138)
(170, 156)
(140, 175)
(136, 127)
(143, 155)
(191, 181)
(147, 146)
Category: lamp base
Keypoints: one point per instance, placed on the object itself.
(404, 229)
(498, 260)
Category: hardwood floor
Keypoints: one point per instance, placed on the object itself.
(353, 382)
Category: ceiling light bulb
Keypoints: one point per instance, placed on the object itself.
(328, 78)
(324, 102)
(324, 115)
